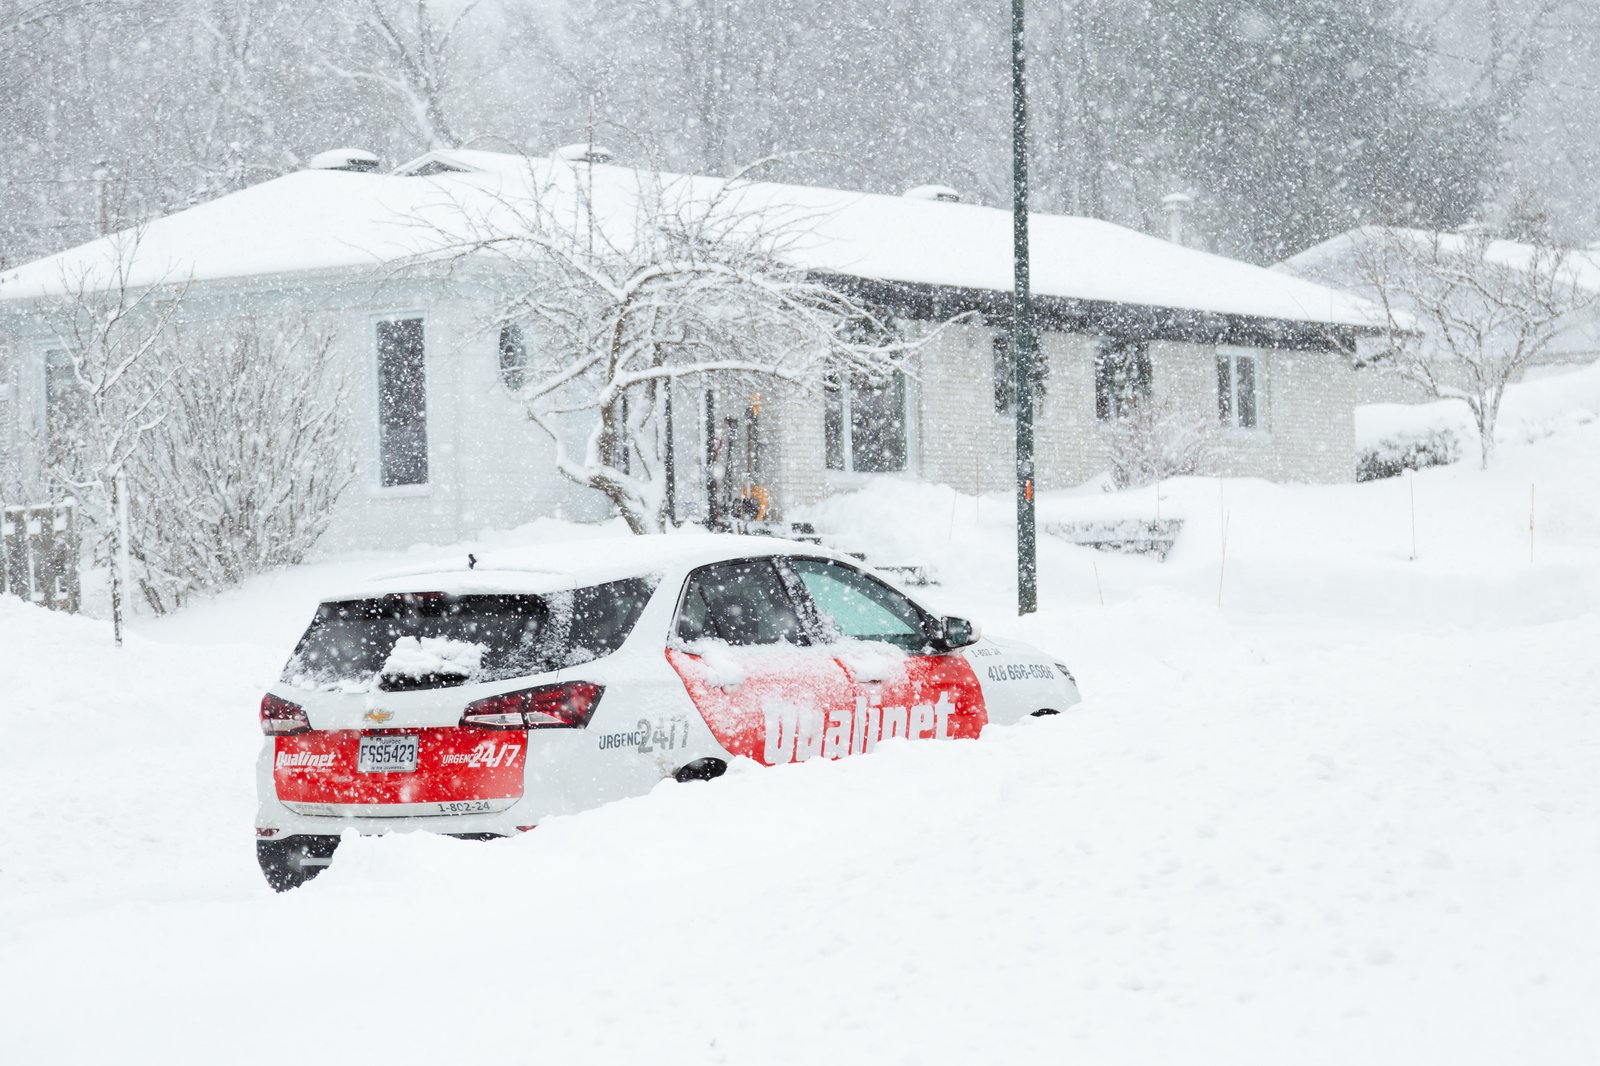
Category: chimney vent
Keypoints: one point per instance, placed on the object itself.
(352, 159)
(1176, 205)
(942, 193)
(582, 153)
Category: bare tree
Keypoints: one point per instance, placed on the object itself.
(416, 61)
(112, 382)
(601, 313)
(243, 473)
(1465, 313)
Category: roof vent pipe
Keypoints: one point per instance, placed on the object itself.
(352, 159)
(1176, 205)
(942, 193)
(582, 153)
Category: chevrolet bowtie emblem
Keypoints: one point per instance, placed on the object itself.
(379, 716)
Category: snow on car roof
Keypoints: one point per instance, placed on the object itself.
(319, 219)
(560, 565)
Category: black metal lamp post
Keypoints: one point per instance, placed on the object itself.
(1023, 351)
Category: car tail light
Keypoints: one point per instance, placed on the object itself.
(566, 706)
(280, 717)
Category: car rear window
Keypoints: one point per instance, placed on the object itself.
(433, 640)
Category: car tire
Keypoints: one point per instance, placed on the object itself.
(292, 861)
(701, 770)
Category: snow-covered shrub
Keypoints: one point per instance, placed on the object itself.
(1416, 450)
(242, 472)
(1154, 440)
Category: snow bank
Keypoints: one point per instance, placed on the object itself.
(1324, 804)
(1549, 404)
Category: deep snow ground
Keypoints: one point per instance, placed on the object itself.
(1347, 816)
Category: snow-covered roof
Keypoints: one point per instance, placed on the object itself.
(1335, 262)
(1332, 258)
(318, 219)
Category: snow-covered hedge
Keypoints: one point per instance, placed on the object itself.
(1389, 456)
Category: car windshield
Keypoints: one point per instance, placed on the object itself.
(434, 640)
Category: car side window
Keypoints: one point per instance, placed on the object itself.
(742, 602)
(858, 607)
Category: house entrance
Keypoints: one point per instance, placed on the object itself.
(735, 461)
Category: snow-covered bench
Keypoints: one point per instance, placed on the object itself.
(1143, 536)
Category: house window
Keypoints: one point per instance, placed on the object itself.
(63, 403)
(1238, 388)
(1121, 377)
(513, 357)
(864, 424)
(1005, 374)
(402, 403)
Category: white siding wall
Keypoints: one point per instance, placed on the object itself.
(10, 430)
(1308, 433)
(795, 449)
(489, 467)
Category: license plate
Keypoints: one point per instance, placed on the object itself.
(387, 755)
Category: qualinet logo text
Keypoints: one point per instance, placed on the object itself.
(796, 733)
(304, 760)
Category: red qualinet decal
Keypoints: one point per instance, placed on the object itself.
(452, 764)
(789, 705)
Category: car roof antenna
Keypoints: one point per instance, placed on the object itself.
(472, 561)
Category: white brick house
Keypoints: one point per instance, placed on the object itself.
(1263, 358)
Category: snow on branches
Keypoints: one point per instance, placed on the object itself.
(242, 474)
(1482, 310)
(228, 440)
(671, 279)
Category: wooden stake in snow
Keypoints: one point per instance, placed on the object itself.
(1222, 568)
(1530, 524)
(1098, 590)
(1411, 483)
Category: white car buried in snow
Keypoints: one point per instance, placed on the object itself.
(481, 700)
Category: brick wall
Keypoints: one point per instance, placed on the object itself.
(1308, 432)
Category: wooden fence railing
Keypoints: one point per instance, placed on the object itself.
(39, 554)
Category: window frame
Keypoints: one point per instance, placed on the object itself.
(814, 632)
(1003, 371)
(910, 444)
(375, 485)
(802, 608)
(1232, 354)
(47, 433)
(811, 614)
(521, 368)
(1109, 404)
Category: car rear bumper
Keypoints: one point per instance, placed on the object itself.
(563, 773)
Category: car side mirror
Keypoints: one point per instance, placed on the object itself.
(949, 633)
